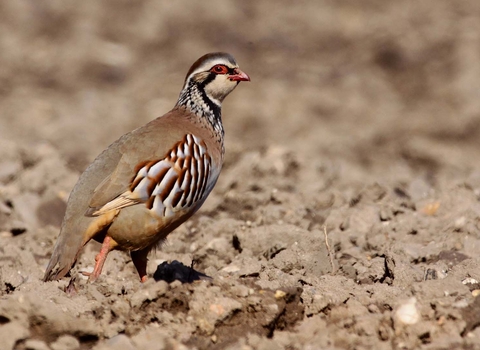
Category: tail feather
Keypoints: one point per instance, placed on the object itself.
(64, 257)
(73, 236)
(68, 246)
(61, 270)
(76, 228)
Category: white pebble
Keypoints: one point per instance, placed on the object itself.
(469, 280)
(408, 312)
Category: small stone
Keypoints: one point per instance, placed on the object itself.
(280, 294)
(175, 284)
(460, 223)
(385, 215)
(430, 209)
(408, 313)
(35, 344)
(373, 309)
(120, 342)
(205, 326)
(65, 342)
(437, 271)
(220, 244)
(88, 270)
(272, 308)
(469, 280)
(231, 269)
(11, 333)
(463, 303)
(6, 234)
(193, 247)
(441, 320)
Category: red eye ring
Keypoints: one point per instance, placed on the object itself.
(219, 69)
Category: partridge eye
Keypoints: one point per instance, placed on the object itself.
(220, 69)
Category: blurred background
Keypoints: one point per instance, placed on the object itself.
(388, 87)
(363, 116)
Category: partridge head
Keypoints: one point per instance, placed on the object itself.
(152, 179)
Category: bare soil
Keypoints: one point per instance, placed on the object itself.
(360, 129)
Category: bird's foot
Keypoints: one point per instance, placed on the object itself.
(139, 258)
(99, 260)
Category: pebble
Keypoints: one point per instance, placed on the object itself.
(35, 344)
(231, 269)
(12, 332)
(469, 280)
(120, 342)
(408, 313)
(460, 304)
(460, 223)
(373, 309)
(65, 342)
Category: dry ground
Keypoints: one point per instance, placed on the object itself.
(362, 117)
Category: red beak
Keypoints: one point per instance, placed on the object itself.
(239, 76)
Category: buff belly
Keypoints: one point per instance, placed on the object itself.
(137, 227)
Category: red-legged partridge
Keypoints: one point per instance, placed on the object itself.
(152, 179)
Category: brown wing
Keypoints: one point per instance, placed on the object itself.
(172, 183)
(144, 148)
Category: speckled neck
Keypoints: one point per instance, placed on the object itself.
(194, 98)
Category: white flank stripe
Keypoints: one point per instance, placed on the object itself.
(192, 193)
(203, 150)
(171, 174)
(141, 173)
(193, 168)
(177, 163)
(186, 180)
(199, 142)
(206, 163)
(169, 212)
(158, 206)
(168, 201)
(186, 150)
(196, 150)
(141, 189)
(156, 190)
(154, 170)
(198, 171)
(197, 139)
(180, 153)
(201, 175)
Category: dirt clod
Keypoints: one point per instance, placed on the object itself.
(360, 129)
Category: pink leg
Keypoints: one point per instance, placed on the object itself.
(100, 259)
(139, 259)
